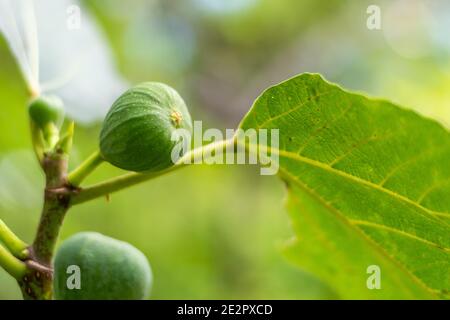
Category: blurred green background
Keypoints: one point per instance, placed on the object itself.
(218, 232)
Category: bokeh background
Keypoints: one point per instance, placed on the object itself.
(219, 232)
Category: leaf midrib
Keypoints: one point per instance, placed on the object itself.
(429, 213)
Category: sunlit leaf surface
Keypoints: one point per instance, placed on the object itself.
(369, 184)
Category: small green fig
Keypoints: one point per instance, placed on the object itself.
(137, 132)
(91, 266)
(46, 109)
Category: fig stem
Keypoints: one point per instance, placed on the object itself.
(15, 267)
(84, 169)
(124, 181)
(36, 283)
(15, 245)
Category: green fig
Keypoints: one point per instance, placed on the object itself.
(46, 109)
(137, 132)
(107, 268)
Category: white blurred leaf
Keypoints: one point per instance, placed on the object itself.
(17, 23)
(74, 62)
(77, 60)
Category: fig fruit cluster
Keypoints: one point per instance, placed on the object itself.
(137, 135)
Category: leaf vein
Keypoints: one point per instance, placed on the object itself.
(408, 162)
(285, 113)
(326, 125)
(430, 213)
(430, 189)
(401, 232)
(369, 240)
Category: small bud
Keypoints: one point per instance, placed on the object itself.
(47, 114)
(46, 109)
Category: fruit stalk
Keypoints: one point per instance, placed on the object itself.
(89, 165)
(129, 179)
(15, 245)
(11, 264)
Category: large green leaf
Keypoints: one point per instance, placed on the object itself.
(369, 184)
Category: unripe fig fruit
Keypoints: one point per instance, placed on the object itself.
(46, 109)
(137, 131)
(107, 269)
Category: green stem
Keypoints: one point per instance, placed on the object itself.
(37, 282)
(15, 245)
(116, 184)
(127, 180)
(11, 264)
(55, 208)
(79, 174)
(56, 203)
